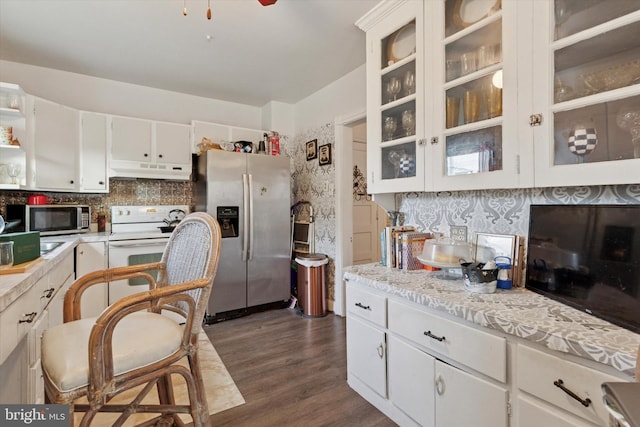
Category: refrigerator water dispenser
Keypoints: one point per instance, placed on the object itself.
(228, 219)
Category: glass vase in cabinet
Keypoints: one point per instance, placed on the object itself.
(587, 59)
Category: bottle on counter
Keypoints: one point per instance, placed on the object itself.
(102, 220)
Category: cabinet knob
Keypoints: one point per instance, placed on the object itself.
(160, 155)
(71, 181)
(434, 140)
(535, 120)
(381, 351)
(101, 182)
(146, 155)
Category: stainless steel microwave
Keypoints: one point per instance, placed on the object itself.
(50, 219)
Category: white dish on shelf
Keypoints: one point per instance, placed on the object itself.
(402, 43)
(468, 12)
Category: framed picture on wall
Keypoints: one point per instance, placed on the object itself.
(324, 154)
(312, 149)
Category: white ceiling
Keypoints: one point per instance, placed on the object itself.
(247, 53)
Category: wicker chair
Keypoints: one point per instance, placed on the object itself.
(138, 339)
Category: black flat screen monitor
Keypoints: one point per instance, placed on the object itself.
(588, 257)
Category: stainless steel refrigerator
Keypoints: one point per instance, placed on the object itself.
(249, 194)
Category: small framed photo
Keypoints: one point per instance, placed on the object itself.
(324, 154)
(489, 246)
(312, 149)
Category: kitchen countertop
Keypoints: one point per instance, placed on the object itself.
(12, 286)
(517, 312)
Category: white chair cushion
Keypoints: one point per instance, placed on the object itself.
(138, 340)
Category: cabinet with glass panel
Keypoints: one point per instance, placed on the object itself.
(587, 70)
(395, 96)
(459, 135)
(475, 104)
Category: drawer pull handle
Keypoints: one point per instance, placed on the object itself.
(560, 384)
(28, 317)
(364, 307)
(48, 292)
(435, 337)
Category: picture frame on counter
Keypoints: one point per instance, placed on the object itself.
(312, 149)
(488, 246)
(324, 154)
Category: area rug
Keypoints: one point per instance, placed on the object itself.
(222, 393)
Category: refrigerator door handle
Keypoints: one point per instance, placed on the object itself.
(250, 251)
(245, 217)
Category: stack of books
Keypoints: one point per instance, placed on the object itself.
(401, 245)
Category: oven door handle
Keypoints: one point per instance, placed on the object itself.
(137, 244)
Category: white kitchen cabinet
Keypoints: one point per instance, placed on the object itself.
(396, 154)
(53, 146)
(448, 131)
(93, 153)
(148, 149)
(534, 413)
(172, 143)
(565, 385)
(366, 356)
(391, 351)
(517, 93)
(12, 114)
(22, 324)
(90, 257)
(131, 139)
(586, 68)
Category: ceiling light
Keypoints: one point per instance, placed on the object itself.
(184, 6)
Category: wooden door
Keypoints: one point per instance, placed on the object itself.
(368, 217)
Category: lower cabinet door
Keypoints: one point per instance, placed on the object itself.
(465, 400)
(366, 354)
(535, 414)
(411, 385)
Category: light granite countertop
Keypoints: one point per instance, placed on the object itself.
(517, 312)
(12, 286)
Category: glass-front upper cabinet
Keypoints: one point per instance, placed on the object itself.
(587, 71)
(395, 97)
(474, 107)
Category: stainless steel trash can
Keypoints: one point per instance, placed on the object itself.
(312, 289)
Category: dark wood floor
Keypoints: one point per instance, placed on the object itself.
(291, 371)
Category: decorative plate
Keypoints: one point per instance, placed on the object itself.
(467, 12)
(402, 43)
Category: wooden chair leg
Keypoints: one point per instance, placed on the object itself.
(199, 406)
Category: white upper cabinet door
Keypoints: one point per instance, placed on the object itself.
(473, 68)
(395, 97)
(131, 139)
(172, 143)
(586, 68)
(93, 149)
(55, 137)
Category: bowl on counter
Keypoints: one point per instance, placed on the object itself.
(446, 254)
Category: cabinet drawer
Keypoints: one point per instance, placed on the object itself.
(478, 350)
(17, 319)
(367, 305)
(537, 372)
(536, 414)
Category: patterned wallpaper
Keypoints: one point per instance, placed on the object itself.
(500, 211)
(308, 184)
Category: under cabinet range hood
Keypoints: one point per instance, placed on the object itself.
(133, 169)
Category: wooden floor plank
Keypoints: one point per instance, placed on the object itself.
(290, 370)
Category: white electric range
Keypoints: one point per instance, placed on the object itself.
(137, 237)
